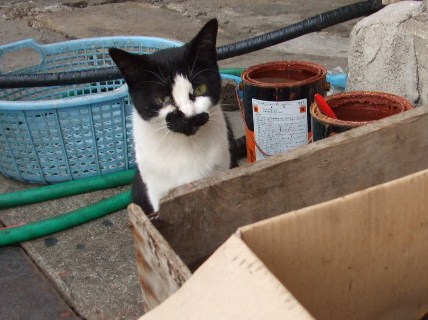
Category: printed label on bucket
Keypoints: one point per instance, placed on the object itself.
(279, 125)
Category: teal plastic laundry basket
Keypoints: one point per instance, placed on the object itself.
(63, 133)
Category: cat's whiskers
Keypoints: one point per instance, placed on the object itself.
(160, 127)
(157, 82)
(166, 134)
(188, 67)
(203, 70)
(162, 132)
(167, 80)
(216, 119)
(162, 79)
(193, 65)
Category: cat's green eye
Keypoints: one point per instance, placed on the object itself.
(200, 90)
(159, 101)
(162, 101)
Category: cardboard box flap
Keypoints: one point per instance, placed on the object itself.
(232, 284)
(362, 256)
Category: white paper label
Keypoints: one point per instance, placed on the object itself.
(279, 125)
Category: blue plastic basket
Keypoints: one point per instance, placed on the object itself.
(63, 133)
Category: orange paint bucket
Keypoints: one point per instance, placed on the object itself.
(276, 100)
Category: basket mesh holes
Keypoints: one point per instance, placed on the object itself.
(88, 140)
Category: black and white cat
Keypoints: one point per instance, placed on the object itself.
(180, 131)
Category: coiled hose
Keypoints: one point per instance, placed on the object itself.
(315, 23)
(64, 221)
(70, 219)
(65, 189)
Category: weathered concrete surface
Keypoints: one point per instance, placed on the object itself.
(388, 52)
(52, 21)
(25, 292)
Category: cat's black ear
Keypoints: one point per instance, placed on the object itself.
(204, 43)
(128, 63)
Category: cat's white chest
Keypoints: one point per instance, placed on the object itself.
(167, 160)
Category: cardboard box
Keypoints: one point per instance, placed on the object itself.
(361, 256)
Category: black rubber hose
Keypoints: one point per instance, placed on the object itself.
(315, 23)
(61, 78)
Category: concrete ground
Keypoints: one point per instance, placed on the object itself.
(92, 267)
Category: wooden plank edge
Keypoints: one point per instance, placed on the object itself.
(161, 272)
(250, 168)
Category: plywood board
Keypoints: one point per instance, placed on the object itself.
(203, 214)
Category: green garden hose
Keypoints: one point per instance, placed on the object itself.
(71, 219)
(64, 221)
(65, 189)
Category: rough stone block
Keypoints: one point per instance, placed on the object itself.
(388, 52)
(418, 28)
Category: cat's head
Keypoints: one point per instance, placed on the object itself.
(176, 86)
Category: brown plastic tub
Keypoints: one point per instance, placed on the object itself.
(354, 109)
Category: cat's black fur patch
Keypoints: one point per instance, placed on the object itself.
(178, 122)
(139, 194)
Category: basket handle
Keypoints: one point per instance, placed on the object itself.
(10, 50)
